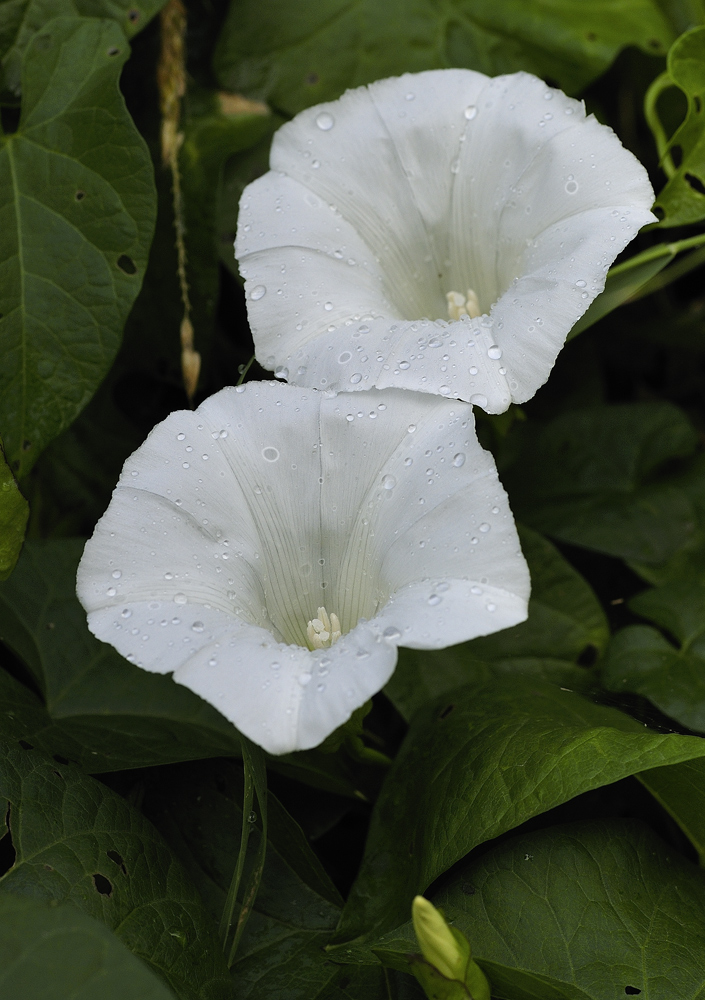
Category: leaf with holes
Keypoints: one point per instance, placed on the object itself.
(642, 660)
(602, 483)
(19, 19)
(77, 205)
(76, 840)
(297, 55)
(682, 200)
(585, 911)
(59, 952)
(13, 519)
(566, 626)
(485, 759)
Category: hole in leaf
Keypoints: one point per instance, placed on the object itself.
(133, 16)
(446, 711)
(117, 858)
(103, 885)
(588, 656)
(25, 745)
(677, 155)
(61, 760)
(126, 264)
(697, 104)
(631, 991)
(7, 848)
(26, 445)
(659, 213)
(80, 195)
(695, 183)
(10, 119)
(468, 888)
(58, 775)
(113, 51)
(312, 79)
(654, 43)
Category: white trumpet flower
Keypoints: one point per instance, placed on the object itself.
(274, 547)
(440, 231)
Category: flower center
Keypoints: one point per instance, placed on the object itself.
(323, 631)
(463, 305)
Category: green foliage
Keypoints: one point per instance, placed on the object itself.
(296, 61)
(58, 951)
(579, 913)
(13, 519)
(485, 759)
(680, 788)
(77, 203)
(77, 841)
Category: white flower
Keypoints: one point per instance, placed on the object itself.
(237, 532)
(441, 231)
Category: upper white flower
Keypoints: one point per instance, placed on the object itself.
(242, 536)
(441, 231)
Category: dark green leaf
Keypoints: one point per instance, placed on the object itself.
(19, 19)
(78, 206)
(680, 789)
(485, 759)
(595, 478)
(642, 660)
(682, 200)
(77, 841)
(587, 911)
(14, 512)
(295, 55)
(565, 622)
(59, 952)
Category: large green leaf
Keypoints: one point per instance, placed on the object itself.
(587, 911)
(77, 207)
(682, 200)
(60, 952)
(19, 19)
(680, 789)
(78, 841)
(642, 660)
(595, 478)
(298, 54)
(13, 519)
(566, 624)
(478, 763)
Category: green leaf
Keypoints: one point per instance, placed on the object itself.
(78, 841)
(78, 206)
(14, 512)
(680, 789)
(566, 623)
(595, 478)
(585, 911)
(19, 19)
(59, 952)
(642, 660)
(485, 759)
(682, 200)
(295, 55)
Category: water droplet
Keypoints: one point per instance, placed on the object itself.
(362, 654)
(350, 417)
(470, 112)
(473, 370)
(389, 482)
(444, 390)
(476, 590)
(320, 687)
(197, 627)
(491, 607)
(325, 121)
(116, 574)
(411, 428)
(391, 633)
(581, 283)
(270, 454)
(275, 665)
(355, 378)
(344, 357)
(252, 817)
(478, 399)
(304, 679)
(258, 292)
(434, 599)
(111, 591)
(455, 166)
(484, 527)
(410, 97)
(180, 437)
(282, 373)
(185, 465)
(328, 306)
(459, 459)
(404, 365)
(315, 164)
(125, 613)
(494, 352)
(408, 461)
(435, 342)
(212, 662)
(180, 598)
(571, 187)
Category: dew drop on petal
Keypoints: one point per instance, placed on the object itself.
(325, 121)
(434, 599)
(180, 598)
(391, 633)
(581, 283)
(484, 527)
(304, 679)
(389, 482)
(473, 370)
(356, 378)
(470, 112)
(408, 461)
(411, 428)
(258, 292)
(212, 662)
(111, 591)
(444, 390)
(404, 365)
(116, 574)
(197, 627)
(282, 373)
(344, 357)
(270, 454)
(494, 352)
(478, 399)
(350, 417)
(571, 186)
(491, 607)
(475, 590)
(328, 306)
(459, 459)
(180, 437)
(125, 613)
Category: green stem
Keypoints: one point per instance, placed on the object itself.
(660, 250)
(660, 84)
(226, 920)
(245, 370)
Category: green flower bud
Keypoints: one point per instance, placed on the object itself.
(445, 951)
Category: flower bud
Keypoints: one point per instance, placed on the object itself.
(439, 946)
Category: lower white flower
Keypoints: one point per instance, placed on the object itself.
(274, 547)
(439, 231)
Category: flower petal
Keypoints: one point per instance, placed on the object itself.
(437, 182)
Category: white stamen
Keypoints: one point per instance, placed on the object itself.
(323, 631)
(463, 305)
